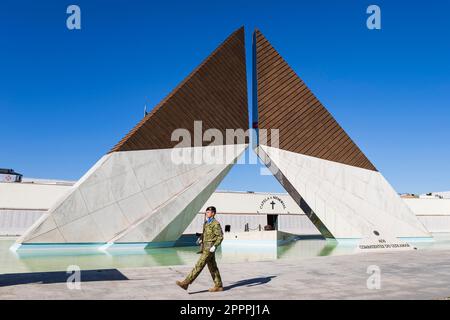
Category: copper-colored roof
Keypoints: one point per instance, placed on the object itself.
(305, 126)
(215, 93)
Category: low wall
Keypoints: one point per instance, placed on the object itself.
(16, 222)
(433, 213)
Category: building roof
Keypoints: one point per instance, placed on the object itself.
(8, 171)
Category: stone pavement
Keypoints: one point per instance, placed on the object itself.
(404, 275)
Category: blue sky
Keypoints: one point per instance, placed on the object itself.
(66, 97)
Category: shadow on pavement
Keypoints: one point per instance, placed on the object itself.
(247, 283)
(59, 277)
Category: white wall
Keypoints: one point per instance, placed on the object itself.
(30, 196)
(16, 222)
(351, 202)
(135, 196)
(252, 202)
(297, 224)
(433, 213)
(428, 207)
(21, 204)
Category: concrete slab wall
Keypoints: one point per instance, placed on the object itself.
(134, 196)
(345, 201)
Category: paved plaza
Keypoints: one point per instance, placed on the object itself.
(423, 274)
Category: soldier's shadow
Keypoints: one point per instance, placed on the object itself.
(247, 283)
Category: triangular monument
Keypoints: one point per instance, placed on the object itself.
(316, 161)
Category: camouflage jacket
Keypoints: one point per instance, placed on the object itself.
(212, 234)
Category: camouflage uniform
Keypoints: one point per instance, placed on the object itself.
(212, 236)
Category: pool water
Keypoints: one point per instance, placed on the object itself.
(89, 259)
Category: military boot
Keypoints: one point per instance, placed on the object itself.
(215, 289)
(183, 284)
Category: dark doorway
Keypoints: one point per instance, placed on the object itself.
(272, 221)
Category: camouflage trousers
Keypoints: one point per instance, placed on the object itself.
(206, 258)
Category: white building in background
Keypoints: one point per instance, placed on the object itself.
(21, 204)
(256, 210)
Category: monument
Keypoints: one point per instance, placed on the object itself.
(318, 164)
(137, 193)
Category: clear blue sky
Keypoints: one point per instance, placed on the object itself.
(66, 97)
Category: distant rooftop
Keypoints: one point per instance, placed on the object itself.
(442, 195)
(9, 175)
(48, 181)
(8, 171)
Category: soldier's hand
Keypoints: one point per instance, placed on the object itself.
(212, 249)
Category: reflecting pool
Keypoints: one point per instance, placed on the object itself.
(88, 259)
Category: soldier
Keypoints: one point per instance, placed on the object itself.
(211, 238)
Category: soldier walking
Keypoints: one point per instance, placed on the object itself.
(210, 239)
